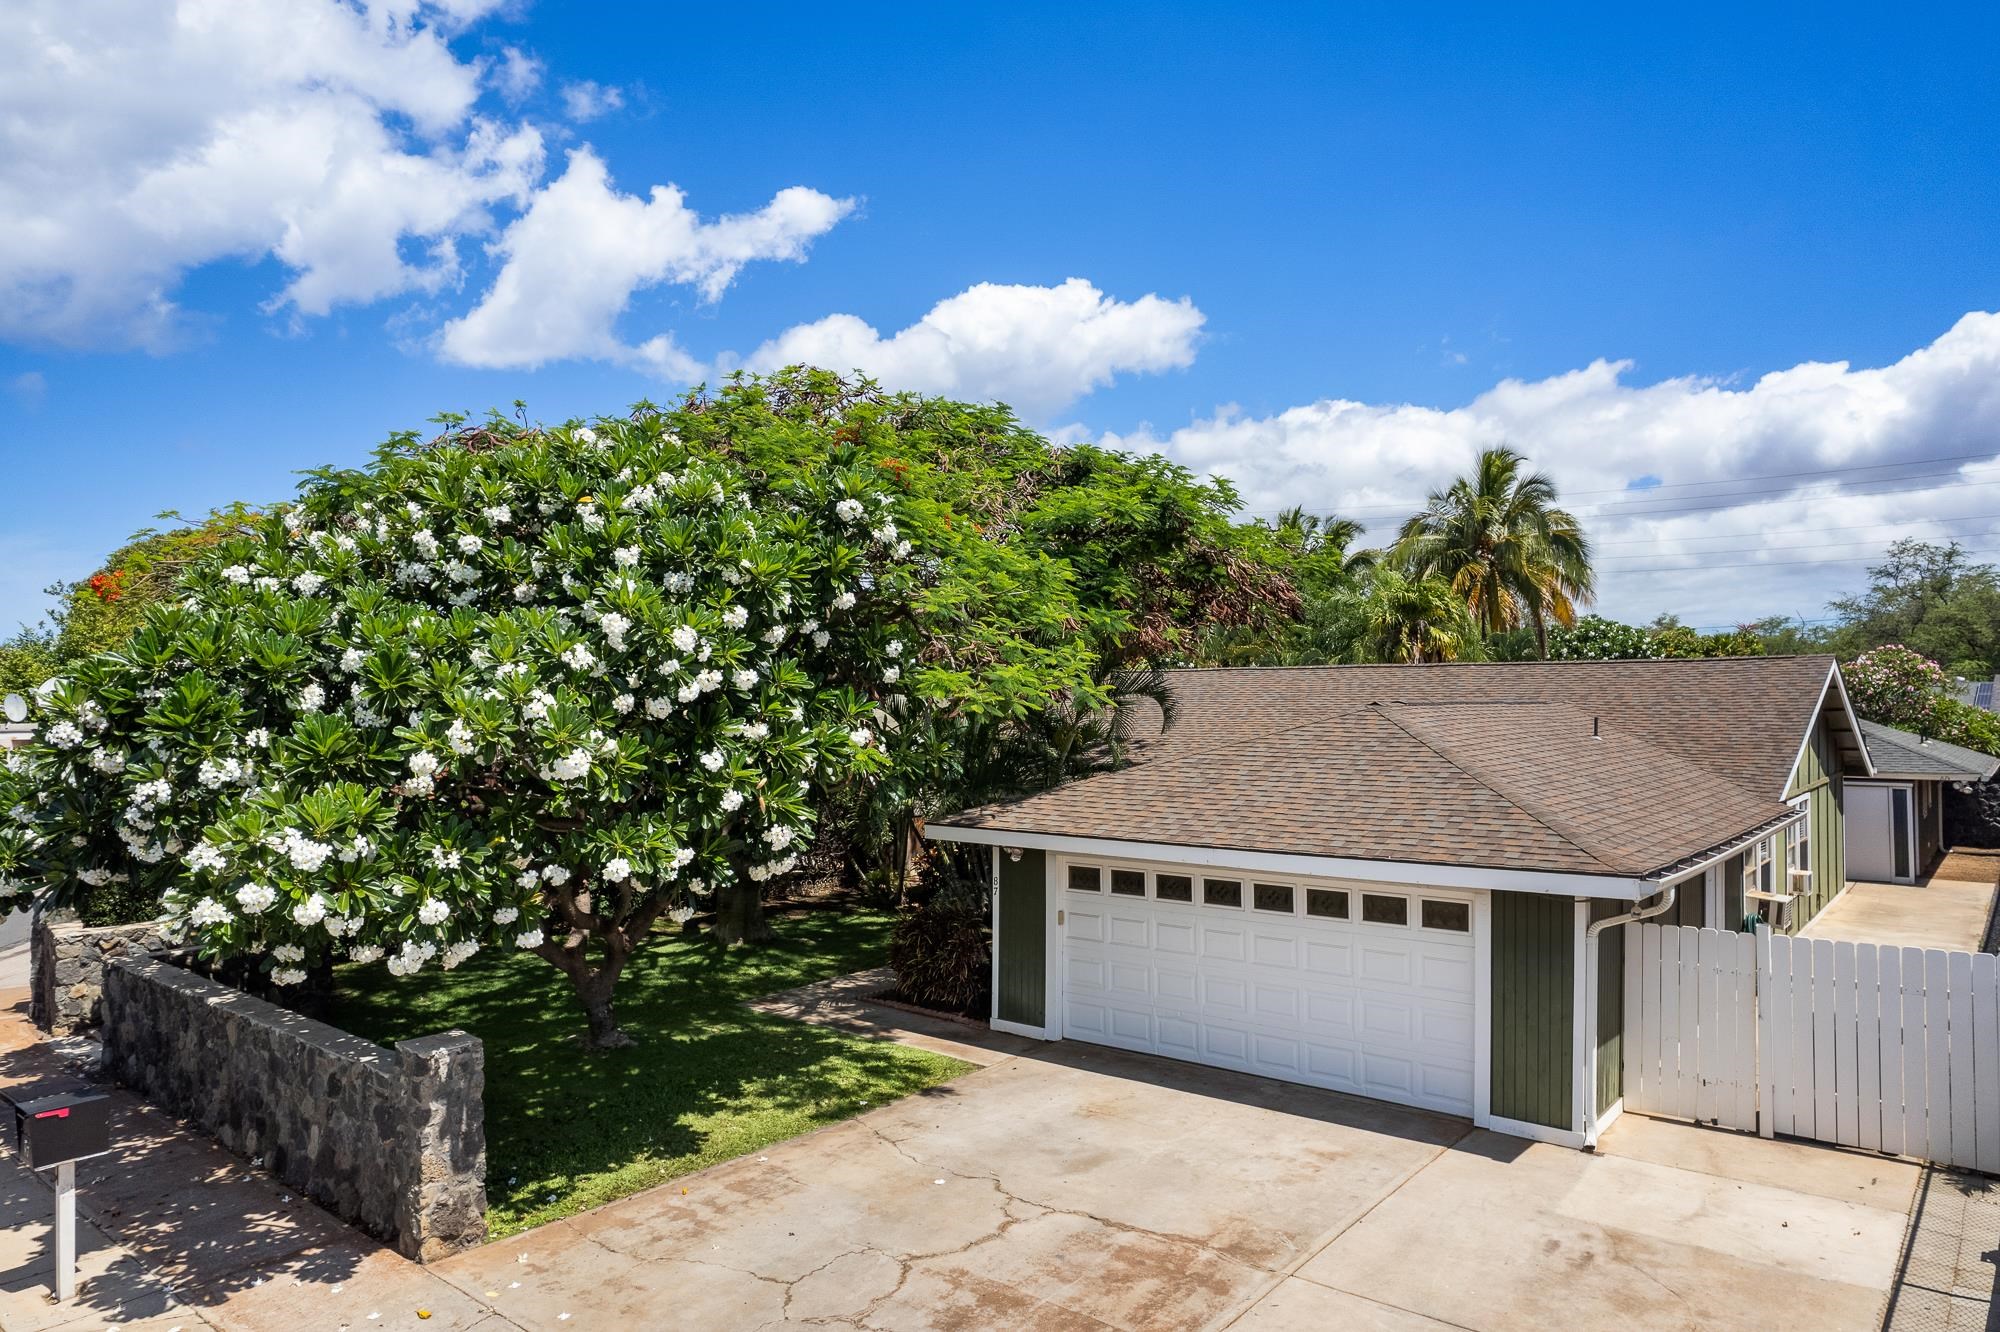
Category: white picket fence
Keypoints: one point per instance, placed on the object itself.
(1882, 1048)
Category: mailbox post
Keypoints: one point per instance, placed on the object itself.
(54, 1128)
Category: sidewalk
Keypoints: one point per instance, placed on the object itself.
(173, 1231)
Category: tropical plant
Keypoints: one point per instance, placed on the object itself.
(941, 952)
(1499, 539)
(1411, 619)
(1901, 687)
(1594, 638)
(537, 688)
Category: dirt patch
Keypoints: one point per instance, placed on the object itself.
(1969, 866)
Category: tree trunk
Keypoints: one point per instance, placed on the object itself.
(739, 915)
(604, 1031)
(1541, 635)
(594, 990)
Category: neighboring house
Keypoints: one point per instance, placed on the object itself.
(1381, 879)
(15, 734)
(1979, 693)
(1895, 819)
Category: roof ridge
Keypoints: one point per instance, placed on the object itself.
(1561, 834)
(1657, 756)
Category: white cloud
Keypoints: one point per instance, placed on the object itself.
(574, 260)
(1036, 348)
(586, 100)
(516, 73)
(1681, 547)
(140, 140)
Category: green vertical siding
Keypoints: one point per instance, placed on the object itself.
(1818, 778)
(1534, 969)
(1020, 979)
(1610, 947)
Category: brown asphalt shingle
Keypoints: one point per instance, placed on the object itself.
(1489, 765)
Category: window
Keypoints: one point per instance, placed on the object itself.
(1326, 903)
(1173, 888)
(1765, 874)
(1272, 897)
(1454, 916)
(1222, 892)
(1381, 909)
(1085, 879)
(1798, 847)
(1128, 883)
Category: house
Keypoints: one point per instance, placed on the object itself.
(1895, 818)
(1408, 882)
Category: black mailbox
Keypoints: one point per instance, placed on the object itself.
(55, 1125)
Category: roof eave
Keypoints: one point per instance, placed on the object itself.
(1414, 873)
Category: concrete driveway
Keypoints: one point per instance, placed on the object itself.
(1070, 1187)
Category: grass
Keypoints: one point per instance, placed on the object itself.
(708, 1079)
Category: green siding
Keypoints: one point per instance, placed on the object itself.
(1534, 969)
(1818, 778)
(1610, 1005)
(1020, 979)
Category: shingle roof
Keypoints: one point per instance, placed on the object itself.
(1904, 754)
(1485, 765)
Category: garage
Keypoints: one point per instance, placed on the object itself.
(1361, 988)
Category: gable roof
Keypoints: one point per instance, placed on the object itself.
(1905, 754)
(1627, 769)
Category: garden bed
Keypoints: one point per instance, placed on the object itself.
(706, 1080)
(893, 998)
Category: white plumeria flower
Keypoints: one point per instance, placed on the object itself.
(625, 557)
(844, 601)
(732, 800)
(849, 510)
(860, 736)
(506, 915)
(469, 544)
(617, 870)
(736, 617)
(433, 911)
(712, 760)
(685, 638)
(237, 574)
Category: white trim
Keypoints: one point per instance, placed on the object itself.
(1854, 724)
(1911, 840)
(1609, 1117)
(1469, 878)
(1521, 1128)
(1482, 1010)
(993, 998)
(1583, 1021)
(1712, 896)
(1020, 1029)
(1053, 960)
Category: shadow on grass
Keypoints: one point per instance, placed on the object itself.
(706, 1080)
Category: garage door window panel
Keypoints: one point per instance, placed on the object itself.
(1441, 915)
(1382, 909)
(1173, 887)
(1128, 883)
(1086, 879)
(1222, 892)
(1273, 897)
(1326, 903)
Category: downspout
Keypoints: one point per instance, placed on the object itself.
(1590, 933)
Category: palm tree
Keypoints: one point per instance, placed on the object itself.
(1413, 619)
(1326, 539)
(1499, 539)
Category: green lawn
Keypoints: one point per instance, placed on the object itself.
(708, 1079)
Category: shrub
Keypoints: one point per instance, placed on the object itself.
(941, 954)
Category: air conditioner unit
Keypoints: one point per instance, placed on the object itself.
(1777, 908)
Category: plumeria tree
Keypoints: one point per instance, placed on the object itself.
(531, 688)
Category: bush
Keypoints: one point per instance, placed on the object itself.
(942, 956)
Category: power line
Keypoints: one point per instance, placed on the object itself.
(1769, 564)
(1641, 495)
(1794, 531)
(1746, 550)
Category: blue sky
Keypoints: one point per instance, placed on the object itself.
(1700, 249)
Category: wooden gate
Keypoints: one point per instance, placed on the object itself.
(1869, 1046)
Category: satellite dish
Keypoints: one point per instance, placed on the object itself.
(15, 707)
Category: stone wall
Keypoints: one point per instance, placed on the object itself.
(68, 960)
(1972, 818)
(393, 1141)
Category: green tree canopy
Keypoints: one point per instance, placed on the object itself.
(1930, 598)
(537, 688)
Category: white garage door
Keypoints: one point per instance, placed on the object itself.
(1358, 988)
